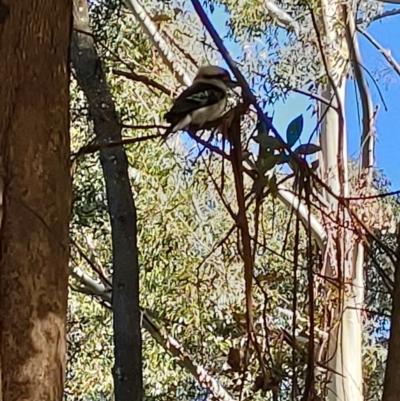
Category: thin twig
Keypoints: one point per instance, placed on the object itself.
(99, 270)
(378, 89)
(142, 78)
(92, 148)
(393, 193)
(385, 53)
(315, 96)
(385, 14)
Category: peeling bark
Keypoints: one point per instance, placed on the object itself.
(36, 196)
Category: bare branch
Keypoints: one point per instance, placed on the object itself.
(368, 134)
(389, 1)
(314, 96)
(141, 78)
(158, 41)
(292, 201)
(93, 287)
(385, 53)
(283, 19)
(384, 195)
(385, 14)
(95, 147)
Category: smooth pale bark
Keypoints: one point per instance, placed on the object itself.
(345, 256)
(344, 356)
(36, 196)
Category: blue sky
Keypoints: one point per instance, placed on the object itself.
(387, 33)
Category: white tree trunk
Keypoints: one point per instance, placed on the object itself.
(345, 256)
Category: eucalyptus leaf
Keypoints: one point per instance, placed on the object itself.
(307, 149)
(268, 142)
(294, 130)
(266, 163)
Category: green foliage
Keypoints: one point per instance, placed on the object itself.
(294, 130)
(191, 270)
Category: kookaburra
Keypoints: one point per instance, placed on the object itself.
(204, 101)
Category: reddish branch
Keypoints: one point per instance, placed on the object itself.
(243, 225)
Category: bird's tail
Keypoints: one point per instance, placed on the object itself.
(182, 124)
(177, 121)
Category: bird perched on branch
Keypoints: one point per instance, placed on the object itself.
(204, 101)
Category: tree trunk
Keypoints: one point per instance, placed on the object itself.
(35, 188)
(391, 388)
(344, 262)
(345, 257)
(128, 382)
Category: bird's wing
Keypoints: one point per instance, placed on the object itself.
(195, 97)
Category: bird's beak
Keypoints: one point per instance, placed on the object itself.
(232, 84)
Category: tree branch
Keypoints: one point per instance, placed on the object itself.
(142, 78)
(93, 287)
(385, 53)
(314, 96)
(389, 1)
(290, 200)
(283, 19)
(94, 147)
(158, 41)
(368, 133)
(385, 14)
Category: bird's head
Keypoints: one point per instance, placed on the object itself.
(214, 72)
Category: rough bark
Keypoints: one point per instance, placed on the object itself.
(125, 299)
(35, 195)
(391, 388)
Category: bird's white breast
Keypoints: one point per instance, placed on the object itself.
(209, 113)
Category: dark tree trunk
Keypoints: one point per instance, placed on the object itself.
(391, 389)
(127, 373)
(35, 191)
